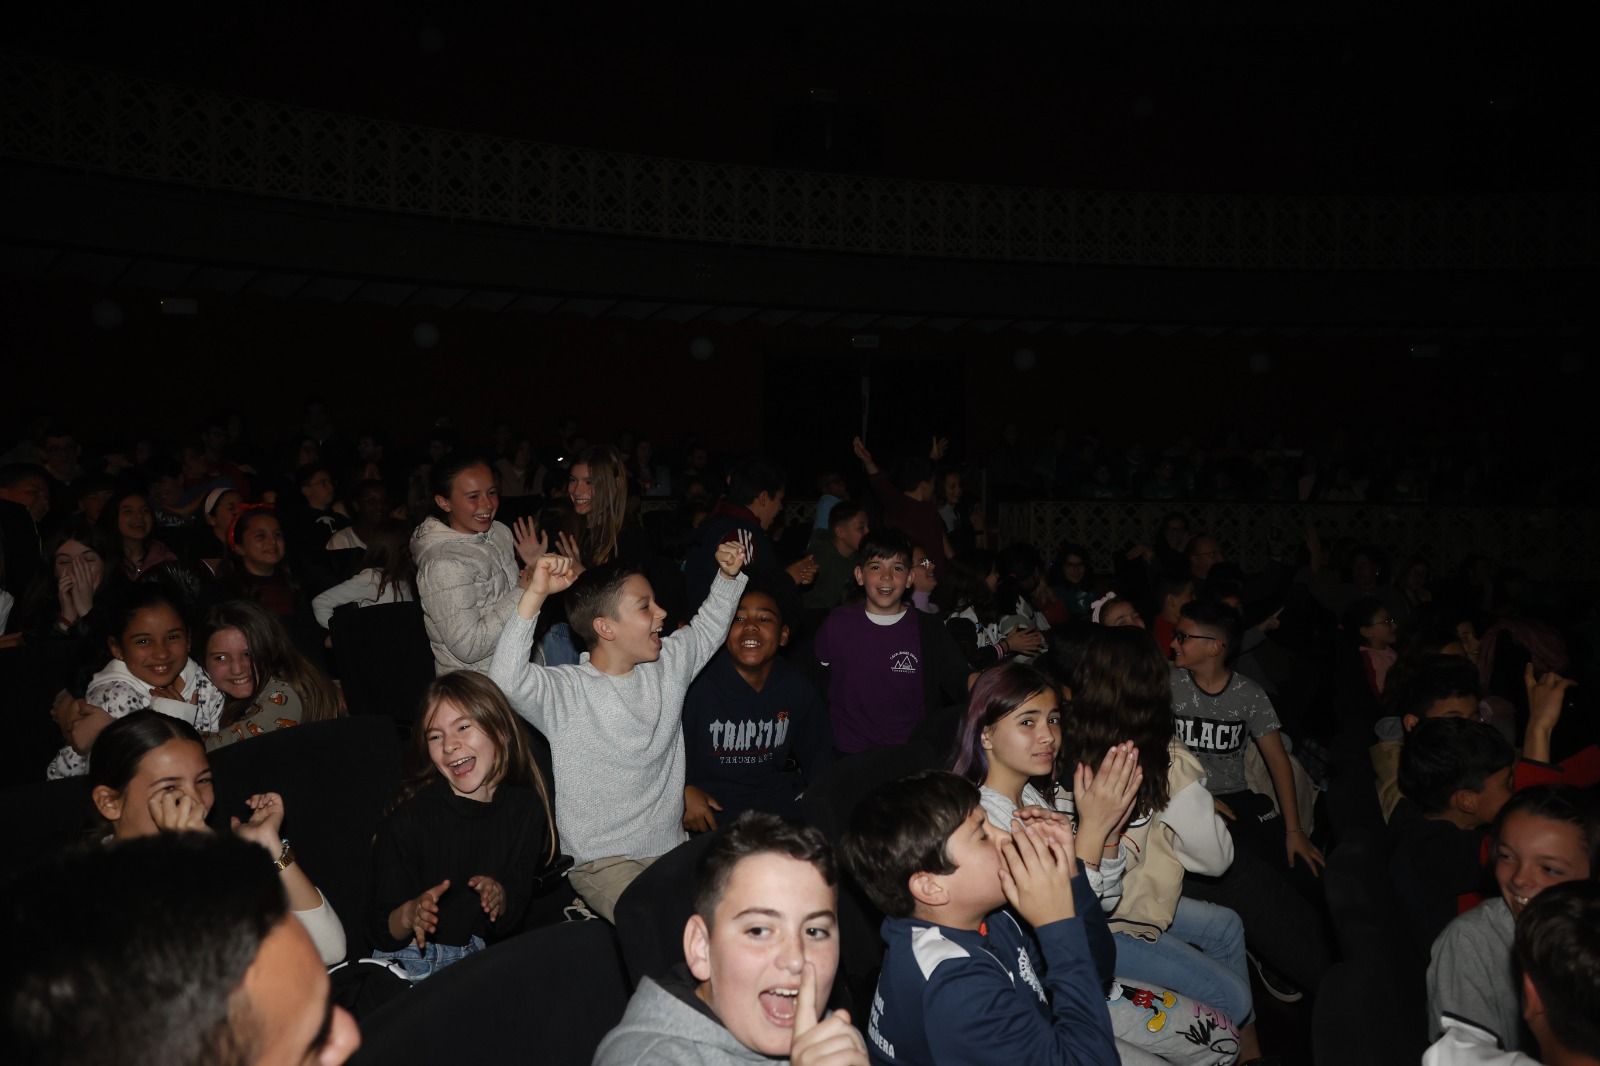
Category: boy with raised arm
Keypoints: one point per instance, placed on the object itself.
(613, 719)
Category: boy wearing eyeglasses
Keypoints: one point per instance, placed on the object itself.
(1217, 710)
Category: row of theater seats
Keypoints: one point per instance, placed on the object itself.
(1372, 1004)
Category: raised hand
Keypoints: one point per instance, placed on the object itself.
(733, 555)
(830, 1041)
(552, 574)
(175, 811)
(1036, 868)
(698, 806)
(860, 448)
(1545, 696)
(265, 826)
(530, 542)
(567, 544)
(491, 893)
(940, 446)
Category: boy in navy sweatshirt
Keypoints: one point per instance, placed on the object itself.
(967, 979)
(746, 718)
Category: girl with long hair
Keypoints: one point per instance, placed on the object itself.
(266, 681)
(456, 858)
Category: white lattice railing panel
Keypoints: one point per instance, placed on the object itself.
(55, 113)
(1545, 542)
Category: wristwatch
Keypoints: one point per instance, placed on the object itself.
(285, 857)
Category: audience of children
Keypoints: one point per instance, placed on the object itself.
(1012, 948)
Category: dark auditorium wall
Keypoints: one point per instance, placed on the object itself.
(266, 357)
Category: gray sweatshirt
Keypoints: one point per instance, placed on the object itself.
(663, 1029)
(1471, 978)
(616, 743)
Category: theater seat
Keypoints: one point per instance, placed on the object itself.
(652, 911)
(385, 662)
(336, 778)
(40, 817)
(548, 997)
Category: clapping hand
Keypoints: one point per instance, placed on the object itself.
(1036, 868)
(265, 826)
(423, 916)
(1104, 798)
(491, 893)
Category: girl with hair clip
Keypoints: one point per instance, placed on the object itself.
(149, 668)
(455, 859)
(1544, 835)
(267, 682)
(1121, 694)
(149, 775)
(467, 576)
(388, 574)
(128, 523)
(220, 508)
(1113, 612)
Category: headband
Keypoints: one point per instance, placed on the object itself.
(1098, 605)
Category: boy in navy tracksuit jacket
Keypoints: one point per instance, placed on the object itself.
(966, 978)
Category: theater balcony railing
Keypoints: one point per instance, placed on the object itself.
(65, 115)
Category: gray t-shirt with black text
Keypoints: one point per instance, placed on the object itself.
(1214, 727)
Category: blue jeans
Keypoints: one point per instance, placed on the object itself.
(1200, 956)
(558, 646)
(422, 963)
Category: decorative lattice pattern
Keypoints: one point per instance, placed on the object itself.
(1545, 542)
(96, 120)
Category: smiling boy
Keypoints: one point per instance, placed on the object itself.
(613, 719)
(746, 716)
(888, 667)
(760, 950)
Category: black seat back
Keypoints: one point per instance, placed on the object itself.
(548, 996)
(335, 778)
(385, 662)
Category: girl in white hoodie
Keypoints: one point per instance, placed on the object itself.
(149, 667)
